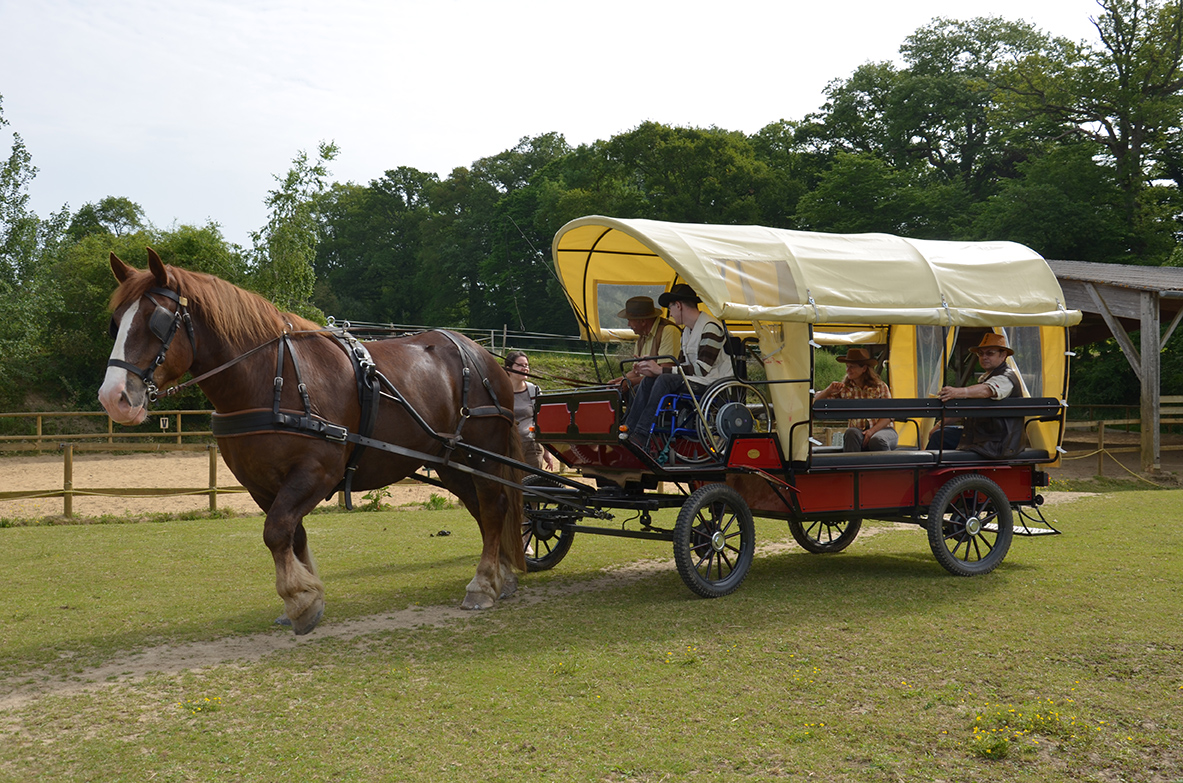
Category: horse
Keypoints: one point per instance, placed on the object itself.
(168, 321)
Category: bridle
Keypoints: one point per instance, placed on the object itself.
(163, 323)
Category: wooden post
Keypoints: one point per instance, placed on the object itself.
(38, 433)
(213, 474)
(180, 429)
(1100, 448)
(68, 481)
(1151, 442)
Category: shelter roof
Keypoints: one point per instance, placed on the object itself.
(1141, 278)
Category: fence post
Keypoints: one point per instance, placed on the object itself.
(38, 433)
(68, 481)
(213, 475)
(180, 428)
(1100, 448)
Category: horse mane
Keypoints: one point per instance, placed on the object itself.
(241, 317)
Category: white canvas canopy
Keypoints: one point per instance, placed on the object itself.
(753, 273)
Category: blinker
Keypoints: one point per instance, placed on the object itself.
(161, 323)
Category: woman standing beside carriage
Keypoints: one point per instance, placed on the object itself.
(524, 394)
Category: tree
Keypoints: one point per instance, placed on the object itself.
(1063, 204)
(28, 293)
(937, 117)
(1124, 96)
(369, 254)
(285, 248)
(113, 215)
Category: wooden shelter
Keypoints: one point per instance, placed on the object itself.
(1116, 299)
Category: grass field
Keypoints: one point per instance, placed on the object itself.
(1066, 664)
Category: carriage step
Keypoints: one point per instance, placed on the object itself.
(1025, 530)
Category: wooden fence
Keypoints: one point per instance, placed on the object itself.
(1170, 413)
(168, 435)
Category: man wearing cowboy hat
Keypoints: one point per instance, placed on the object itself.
(994, 438)
(656, 336)
(862, 383)
(702, 360)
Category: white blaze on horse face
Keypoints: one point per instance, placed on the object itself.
(114, 393)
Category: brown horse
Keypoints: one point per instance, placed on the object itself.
(168, 321)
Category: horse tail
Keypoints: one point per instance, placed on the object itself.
(511, 530)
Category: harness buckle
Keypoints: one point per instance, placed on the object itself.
(335, 433)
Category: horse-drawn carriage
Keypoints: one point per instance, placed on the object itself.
(303, 411)
(750, 447)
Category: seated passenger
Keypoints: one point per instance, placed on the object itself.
(862, 383)
(702, 360)
(656, 336)
(993, 438)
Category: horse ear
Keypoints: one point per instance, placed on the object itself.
(122, 271)
(157, 267)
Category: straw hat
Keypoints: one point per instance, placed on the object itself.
(857, 356)
(992, 340)
(639, 308)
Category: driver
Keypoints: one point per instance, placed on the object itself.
(656, 336)
(702, 360)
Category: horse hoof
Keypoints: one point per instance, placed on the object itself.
(301, 628)
(283, 620)
(509, 586)
(477, 601)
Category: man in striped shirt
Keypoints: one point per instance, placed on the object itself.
(703, 361)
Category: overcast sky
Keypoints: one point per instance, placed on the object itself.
(191, 107)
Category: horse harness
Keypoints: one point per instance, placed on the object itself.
(372, 386)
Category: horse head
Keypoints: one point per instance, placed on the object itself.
(148, 315)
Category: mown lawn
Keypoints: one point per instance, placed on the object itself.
(1064, 664)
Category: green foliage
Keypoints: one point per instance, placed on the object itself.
(112, 215)
(286, 247)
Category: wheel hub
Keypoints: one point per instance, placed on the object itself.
(973, 525)
(718, 540)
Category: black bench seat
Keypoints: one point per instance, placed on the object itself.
(826, 460)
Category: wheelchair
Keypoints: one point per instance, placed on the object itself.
(692, 430)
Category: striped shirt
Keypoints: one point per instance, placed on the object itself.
(703, 358)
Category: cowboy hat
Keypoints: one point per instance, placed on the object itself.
(857, 356)
(639, 308)
(681, 293)
(992, 340)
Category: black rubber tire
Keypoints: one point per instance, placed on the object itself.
(970, 525)
(714, 541)
(823, 537)
(545, 547)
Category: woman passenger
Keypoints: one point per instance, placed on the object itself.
(862, 383)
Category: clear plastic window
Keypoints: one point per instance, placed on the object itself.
(1028, 347)
(610, 299)
(930, 352)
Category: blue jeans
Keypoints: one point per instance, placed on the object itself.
(945, 438)
(643, 411)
